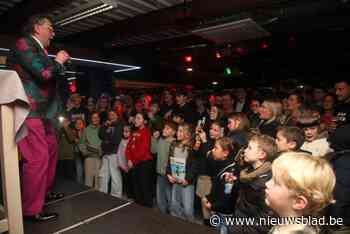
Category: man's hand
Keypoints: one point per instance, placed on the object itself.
(62, 57)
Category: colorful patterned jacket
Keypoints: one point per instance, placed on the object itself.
(38, 73)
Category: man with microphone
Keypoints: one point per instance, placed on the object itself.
(39, 149)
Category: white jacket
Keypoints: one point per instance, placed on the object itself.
(318, 147)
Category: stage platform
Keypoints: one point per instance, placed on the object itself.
(84, 210)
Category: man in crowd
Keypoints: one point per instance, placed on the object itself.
(78, 111)
(342, 110)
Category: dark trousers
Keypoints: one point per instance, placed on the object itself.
(127, 184)
(142, 181)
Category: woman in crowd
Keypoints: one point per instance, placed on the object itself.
(269, 112)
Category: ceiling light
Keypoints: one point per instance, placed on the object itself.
(104, 6)
(127, 69)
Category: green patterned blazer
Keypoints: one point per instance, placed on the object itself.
(39, 74)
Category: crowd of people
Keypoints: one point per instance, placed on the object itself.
(241, 152)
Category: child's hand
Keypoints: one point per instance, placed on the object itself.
(130, 165)
(208, 205)
(183, 182)
(203, 136)
(229, 177)
(125, 169)
(171, 179)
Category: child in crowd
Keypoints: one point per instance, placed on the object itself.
(160, 147)
(79, 127)
(215, 114)
(65, 164)
(74, 133)
(90, 147)
(296, 189)
(182, 173)
(289, 139)
(238, 125)
(123, 163)
(258, 155)
(220, 200)
(178, 117)
(110, 134)
(205, 160)
(315, 141)
(138, 153)
(155, 119)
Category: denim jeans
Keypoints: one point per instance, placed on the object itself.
(223, 228)
(163, 194)
(182, 202)
(110, 171)
(79, 165)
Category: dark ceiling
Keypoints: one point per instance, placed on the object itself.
(158, 33)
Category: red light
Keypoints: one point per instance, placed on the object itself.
(264, 45)
(218, 55)
(291, 42)
(72, 87)
(240, 50)
(188, 58)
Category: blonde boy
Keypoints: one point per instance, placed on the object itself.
(258, 155)
(300, 186)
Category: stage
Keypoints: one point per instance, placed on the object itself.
(84, 210)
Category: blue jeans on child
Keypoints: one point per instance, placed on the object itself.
(223, 227)
(163, 194)
(79, 165)
(182, 202)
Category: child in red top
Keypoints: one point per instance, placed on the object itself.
(138, 154)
